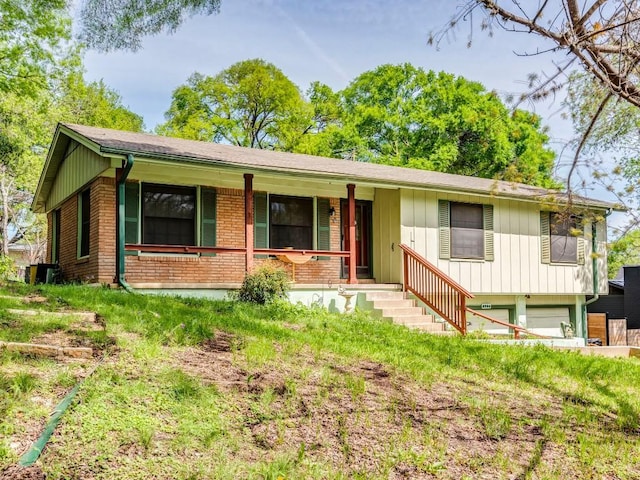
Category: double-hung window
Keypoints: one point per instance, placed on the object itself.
(158, 214)
(168, 215)
(283, 221)
(562, 239)
(465, 230)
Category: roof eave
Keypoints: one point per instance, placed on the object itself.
(353, 179)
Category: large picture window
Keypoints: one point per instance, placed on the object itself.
(168, 214)
(84, 222)
(283, 221)
(290, 222)
(467, 231)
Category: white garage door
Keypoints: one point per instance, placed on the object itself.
(475, 323)
(546, 320)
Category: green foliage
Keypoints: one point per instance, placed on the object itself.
(94, 104)
(402, 115)
(32, 33)
(253, 412)
(7, 267)
(250, 104)
(265, 284)
(623, 251)
(396, 114)
(121, 24)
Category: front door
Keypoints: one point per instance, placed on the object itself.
(363, 237)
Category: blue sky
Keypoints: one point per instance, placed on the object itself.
(328, 41)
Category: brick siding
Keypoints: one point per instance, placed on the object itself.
(100, 266)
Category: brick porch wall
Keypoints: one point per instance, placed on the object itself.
(166, 269)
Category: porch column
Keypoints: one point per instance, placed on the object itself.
(248, 220)
(351, 213)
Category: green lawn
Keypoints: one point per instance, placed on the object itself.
(210, 389)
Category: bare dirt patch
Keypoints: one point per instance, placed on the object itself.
(363, 417)
(15, 472)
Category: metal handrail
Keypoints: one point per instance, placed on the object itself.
(517, 329)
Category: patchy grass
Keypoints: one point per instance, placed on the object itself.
(211, 389)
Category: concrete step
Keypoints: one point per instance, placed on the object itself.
(429, 327)
(393, 303)
(394, 295)
(414, 319)
(400, 311)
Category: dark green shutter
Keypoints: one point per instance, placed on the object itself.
(260, 221)
(545, 237)
(131, 213)
(324, 226)
(444, 229)
(487, 211)
(208, 210)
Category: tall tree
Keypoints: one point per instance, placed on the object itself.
(122, 24)
(250, 104)
(601, 36)
(624, 251)
(94, 104)
(402, 115)
(32, 33)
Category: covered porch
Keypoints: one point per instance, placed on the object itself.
(345, 245)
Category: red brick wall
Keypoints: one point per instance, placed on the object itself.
(223, 268)
(100, 265)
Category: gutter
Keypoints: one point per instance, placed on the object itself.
(120, 231)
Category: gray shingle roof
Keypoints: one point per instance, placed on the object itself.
(116, 141)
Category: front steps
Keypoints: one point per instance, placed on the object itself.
(396, 307)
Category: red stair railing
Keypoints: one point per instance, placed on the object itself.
(438, 291)
(443, 295)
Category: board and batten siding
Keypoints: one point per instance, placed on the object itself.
(517, 267)
(387, 256)
(80, 166)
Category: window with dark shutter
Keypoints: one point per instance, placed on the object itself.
(467, 230)
(168, 215)
(565, 239)
(290, 222)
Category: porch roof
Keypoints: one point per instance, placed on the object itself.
(116, 142)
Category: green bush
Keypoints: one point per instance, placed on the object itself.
(7, 268)
(265, 284)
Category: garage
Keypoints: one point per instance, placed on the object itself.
(546, 320)
(475, 323)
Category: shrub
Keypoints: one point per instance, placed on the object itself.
(265, 284)
(7, 268)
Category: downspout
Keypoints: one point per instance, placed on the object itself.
(594, 270)
(120, 232)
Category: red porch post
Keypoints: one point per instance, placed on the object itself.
(351, 212)
(248, 220)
